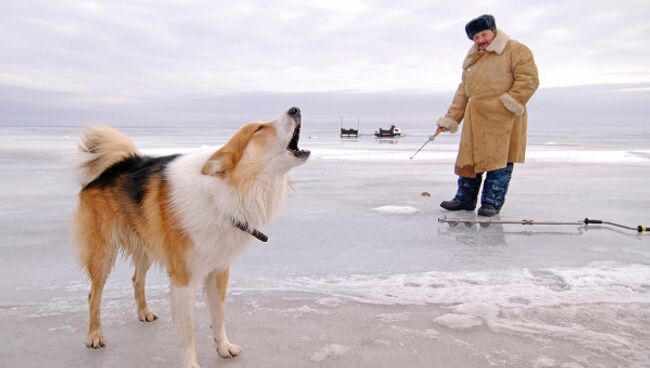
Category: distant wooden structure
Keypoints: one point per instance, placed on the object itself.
(392, 132)
(349, 132)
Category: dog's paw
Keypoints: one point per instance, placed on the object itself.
(95, 340)
(146, 315)
(227, 349)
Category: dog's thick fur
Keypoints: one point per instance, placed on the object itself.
(179, 211)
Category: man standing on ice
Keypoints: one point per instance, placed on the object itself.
(499, 77)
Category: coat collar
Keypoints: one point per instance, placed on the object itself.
(497, 46)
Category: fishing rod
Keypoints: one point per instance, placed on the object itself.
(431, 138)
(587, 221)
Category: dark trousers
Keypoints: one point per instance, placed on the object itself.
(495, 188)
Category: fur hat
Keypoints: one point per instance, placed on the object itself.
(485, 21)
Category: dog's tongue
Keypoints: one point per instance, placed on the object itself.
(293, 145)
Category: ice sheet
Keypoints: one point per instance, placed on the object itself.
(356, 261)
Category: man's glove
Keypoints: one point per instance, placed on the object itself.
(447, 124)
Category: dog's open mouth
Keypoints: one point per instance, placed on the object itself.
(293, 145)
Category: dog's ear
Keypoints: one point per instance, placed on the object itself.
(227, 158)
(212, 168)
(222, 161)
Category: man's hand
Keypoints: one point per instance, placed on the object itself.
(445, 124)
(438, 131)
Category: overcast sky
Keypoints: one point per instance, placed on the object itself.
(67, 56)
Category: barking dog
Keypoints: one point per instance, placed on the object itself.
(192, 214)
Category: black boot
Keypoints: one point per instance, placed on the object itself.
(487, 210)
(494, 191)
(454, 205)
(465, 198)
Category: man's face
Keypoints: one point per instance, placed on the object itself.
(483, 39)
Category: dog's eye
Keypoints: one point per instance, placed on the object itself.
(260, 127)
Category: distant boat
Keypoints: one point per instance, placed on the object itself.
(351, 132)
(391, 132)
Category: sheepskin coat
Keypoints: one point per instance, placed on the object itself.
(491, 100)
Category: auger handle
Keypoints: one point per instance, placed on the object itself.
(592, 221)
(438, 131)
(640, 229)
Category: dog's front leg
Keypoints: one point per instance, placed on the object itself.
(216, 285)
(182, 315)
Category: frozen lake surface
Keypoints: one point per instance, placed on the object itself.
(357, 271)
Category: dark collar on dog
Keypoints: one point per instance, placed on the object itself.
(245, 227)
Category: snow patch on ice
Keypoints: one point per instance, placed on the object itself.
(396, 210)
(585, 156)
(482, 294)
(302, 310)
(571, 365)
(480, 310)
(332, 302)
(429, 333)
(66, 329)
(296, 312)
(330, 351)
(393, 317)
(544, 362)
(458, 321)
(599, 282)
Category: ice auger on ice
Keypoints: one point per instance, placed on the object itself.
(587, 221)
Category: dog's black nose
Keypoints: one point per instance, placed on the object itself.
(294, 111)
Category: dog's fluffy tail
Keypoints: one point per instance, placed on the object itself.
(101, 147)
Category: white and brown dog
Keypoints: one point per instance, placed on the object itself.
(190, 213)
